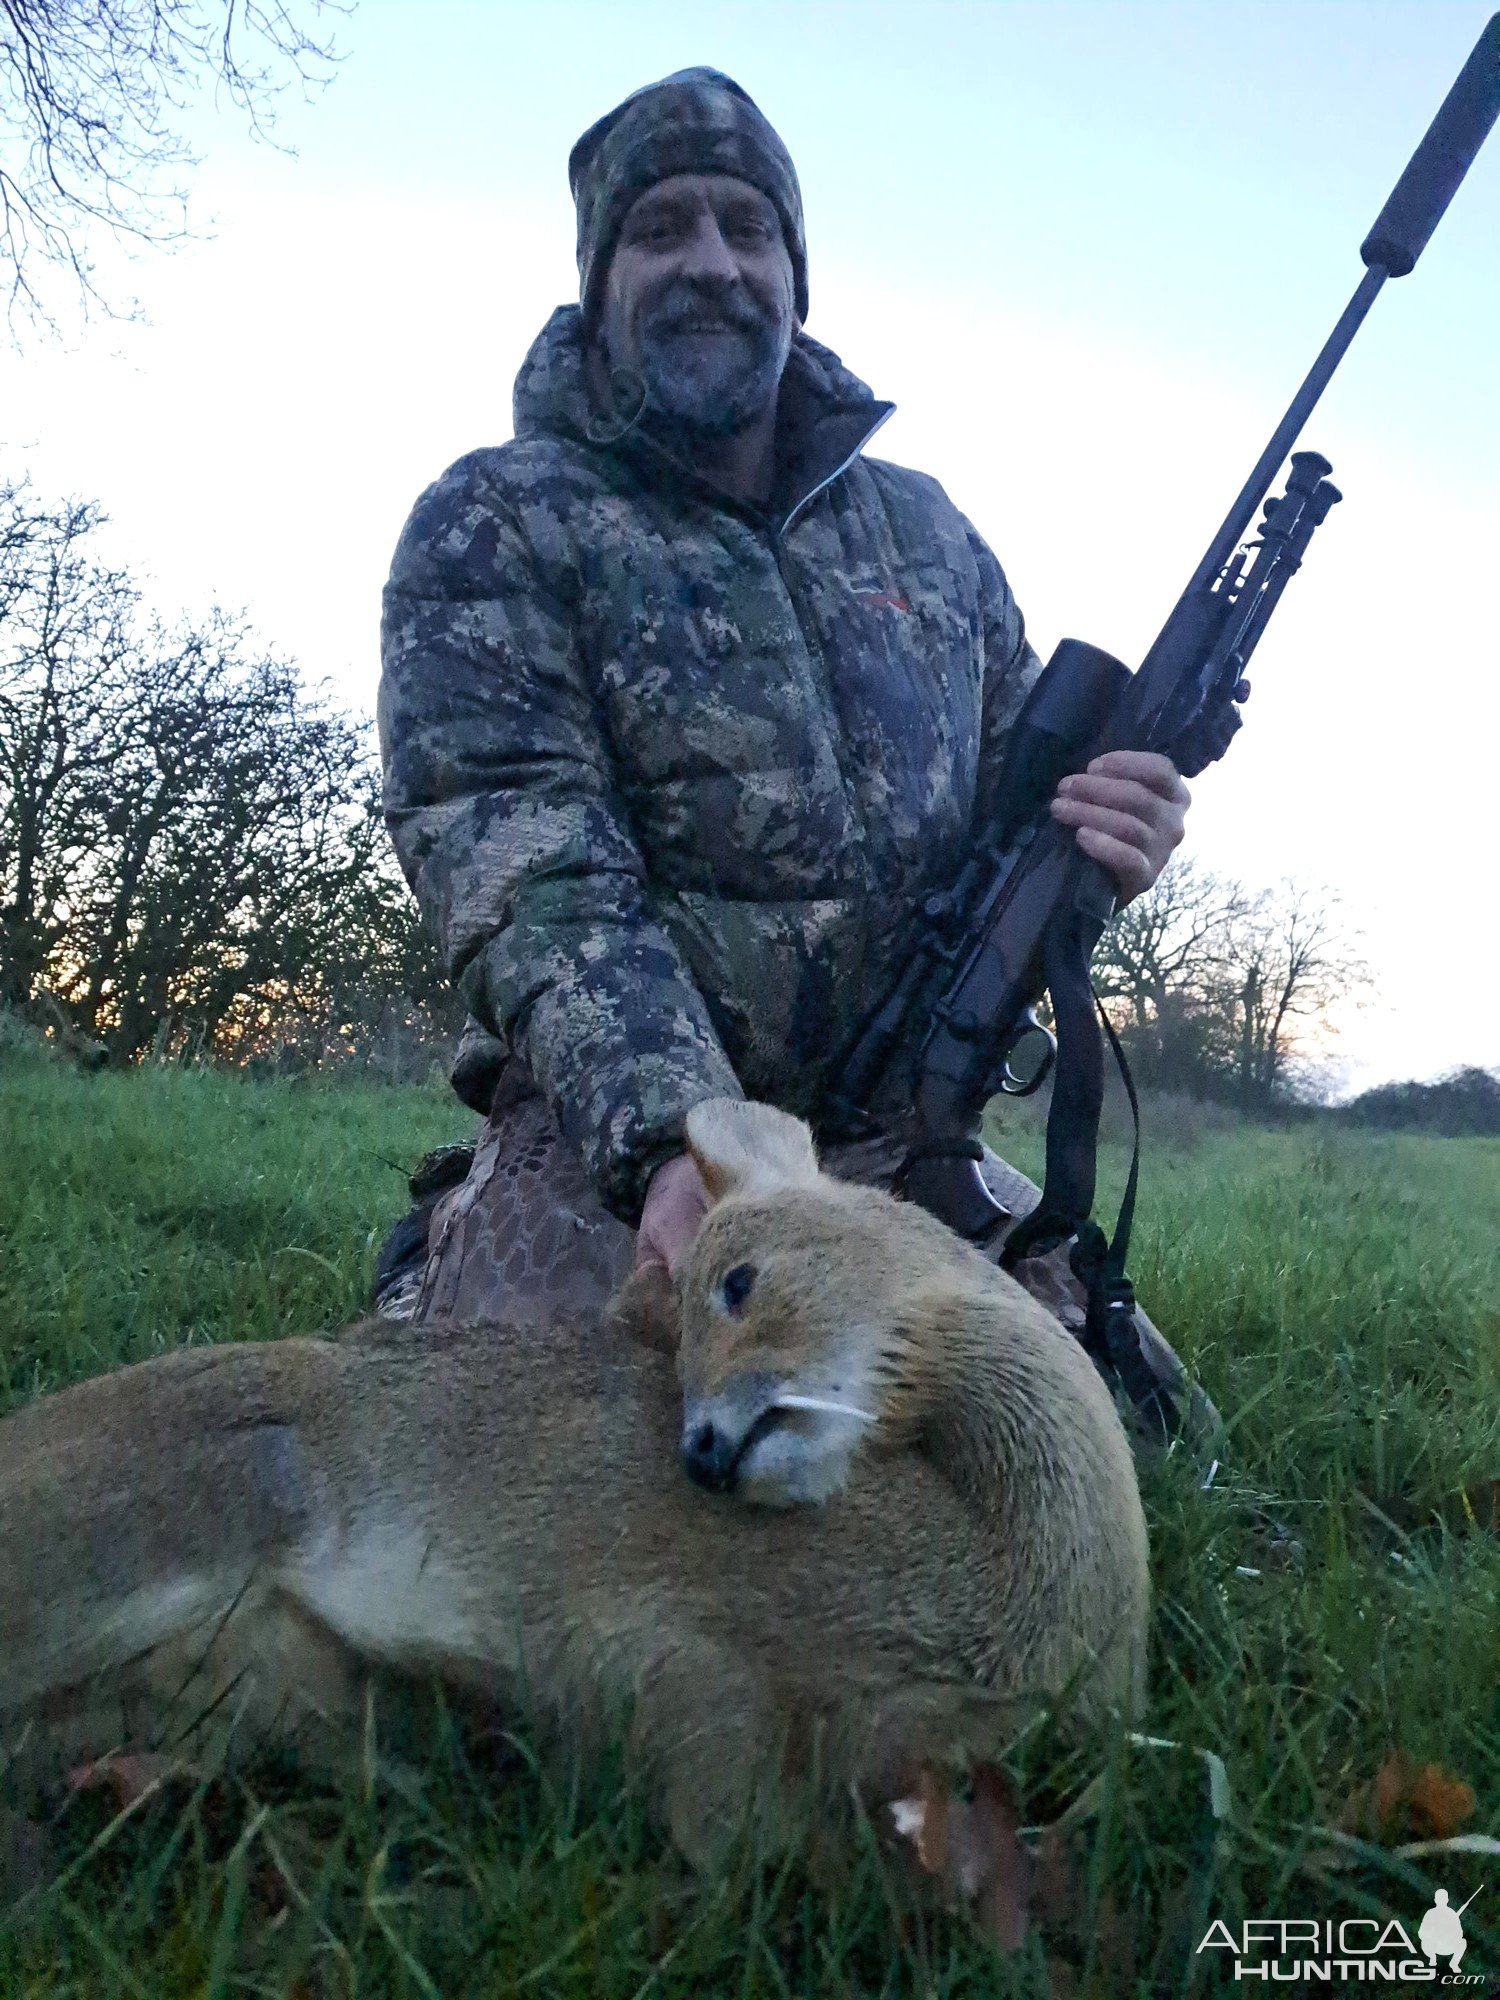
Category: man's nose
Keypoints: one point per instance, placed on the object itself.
(708, 1458)
(706, 254)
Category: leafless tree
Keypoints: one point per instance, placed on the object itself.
(1289, 961)
(65, 635)
(92, 101)
(1222, 990)
(191, 848)
(1163, 944)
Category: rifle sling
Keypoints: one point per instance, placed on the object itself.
(1109, 1333)
(1077, 1091)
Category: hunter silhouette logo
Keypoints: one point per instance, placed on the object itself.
(1287, 1950)
(1440, 1933)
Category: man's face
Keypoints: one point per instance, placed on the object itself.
(699, 301)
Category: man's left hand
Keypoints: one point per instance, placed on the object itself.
(1129, 807)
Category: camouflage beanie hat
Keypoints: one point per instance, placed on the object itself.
(697, 121)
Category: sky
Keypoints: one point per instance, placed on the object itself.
(1089, 247)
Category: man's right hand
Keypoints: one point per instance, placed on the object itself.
(676, 1202)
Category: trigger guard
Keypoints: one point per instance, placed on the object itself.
(1012, 1085)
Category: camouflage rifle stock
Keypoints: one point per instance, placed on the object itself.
(1027, 909)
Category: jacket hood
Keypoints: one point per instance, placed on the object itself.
(826, 414)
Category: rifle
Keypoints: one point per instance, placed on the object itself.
(1028, 908)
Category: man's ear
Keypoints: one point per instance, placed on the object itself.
(740, 1147)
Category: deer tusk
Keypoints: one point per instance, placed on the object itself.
(822, 1403)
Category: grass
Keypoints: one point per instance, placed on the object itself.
(1338, 1294)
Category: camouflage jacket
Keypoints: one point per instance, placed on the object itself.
(667, 772)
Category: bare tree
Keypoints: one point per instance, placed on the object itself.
(1162, 945)
(191, 848)
(1221, 990)
(92, 97)
(65, 622)
(1289, 961)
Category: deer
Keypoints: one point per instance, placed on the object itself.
(841, 1494)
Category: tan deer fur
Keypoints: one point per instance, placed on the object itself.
(250, 1531)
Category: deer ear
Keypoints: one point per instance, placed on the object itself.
(740, 1147)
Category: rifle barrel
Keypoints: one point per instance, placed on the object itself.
(1256, 487)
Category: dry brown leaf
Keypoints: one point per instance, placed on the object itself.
(922, 1818)
(932, 1837)
(1404, 1800)
(1440, 1803)
(1003, 1893)
(973, 1847)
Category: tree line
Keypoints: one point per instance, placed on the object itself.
(1465, 1101)
(192, 856)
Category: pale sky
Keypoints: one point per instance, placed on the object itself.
(1089, 247)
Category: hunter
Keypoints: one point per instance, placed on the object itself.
(687, 701)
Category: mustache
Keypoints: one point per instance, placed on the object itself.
(684, 309)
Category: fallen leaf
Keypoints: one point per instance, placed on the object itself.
(972, 1847)
(923, 1820)
(1002, 1894)
(932, 1841)
(1439, 1803)
(1404, 1800)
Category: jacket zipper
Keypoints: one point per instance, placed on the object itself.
(814, 645)
(823, 484)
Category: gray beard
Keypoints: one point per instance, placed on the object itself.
(713, 385)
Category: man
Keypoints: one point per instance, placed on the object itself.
(686, 703)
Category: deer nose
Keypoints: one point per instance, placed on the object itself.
(708, 1458)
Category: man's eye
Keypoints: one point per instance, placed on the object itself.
(737, 1285)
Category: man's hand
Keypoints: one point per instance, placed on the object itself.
(676, 1202)
(1129, 808)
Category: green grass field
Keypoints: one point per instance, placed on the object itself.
(1340, 1296)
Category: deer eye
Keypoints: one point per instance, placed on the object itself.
(736, 1287)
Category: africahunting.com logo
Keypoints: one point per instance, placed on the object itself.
(1290, 1951)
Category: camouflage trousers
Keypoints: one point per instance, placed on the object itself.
(525, 1237)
